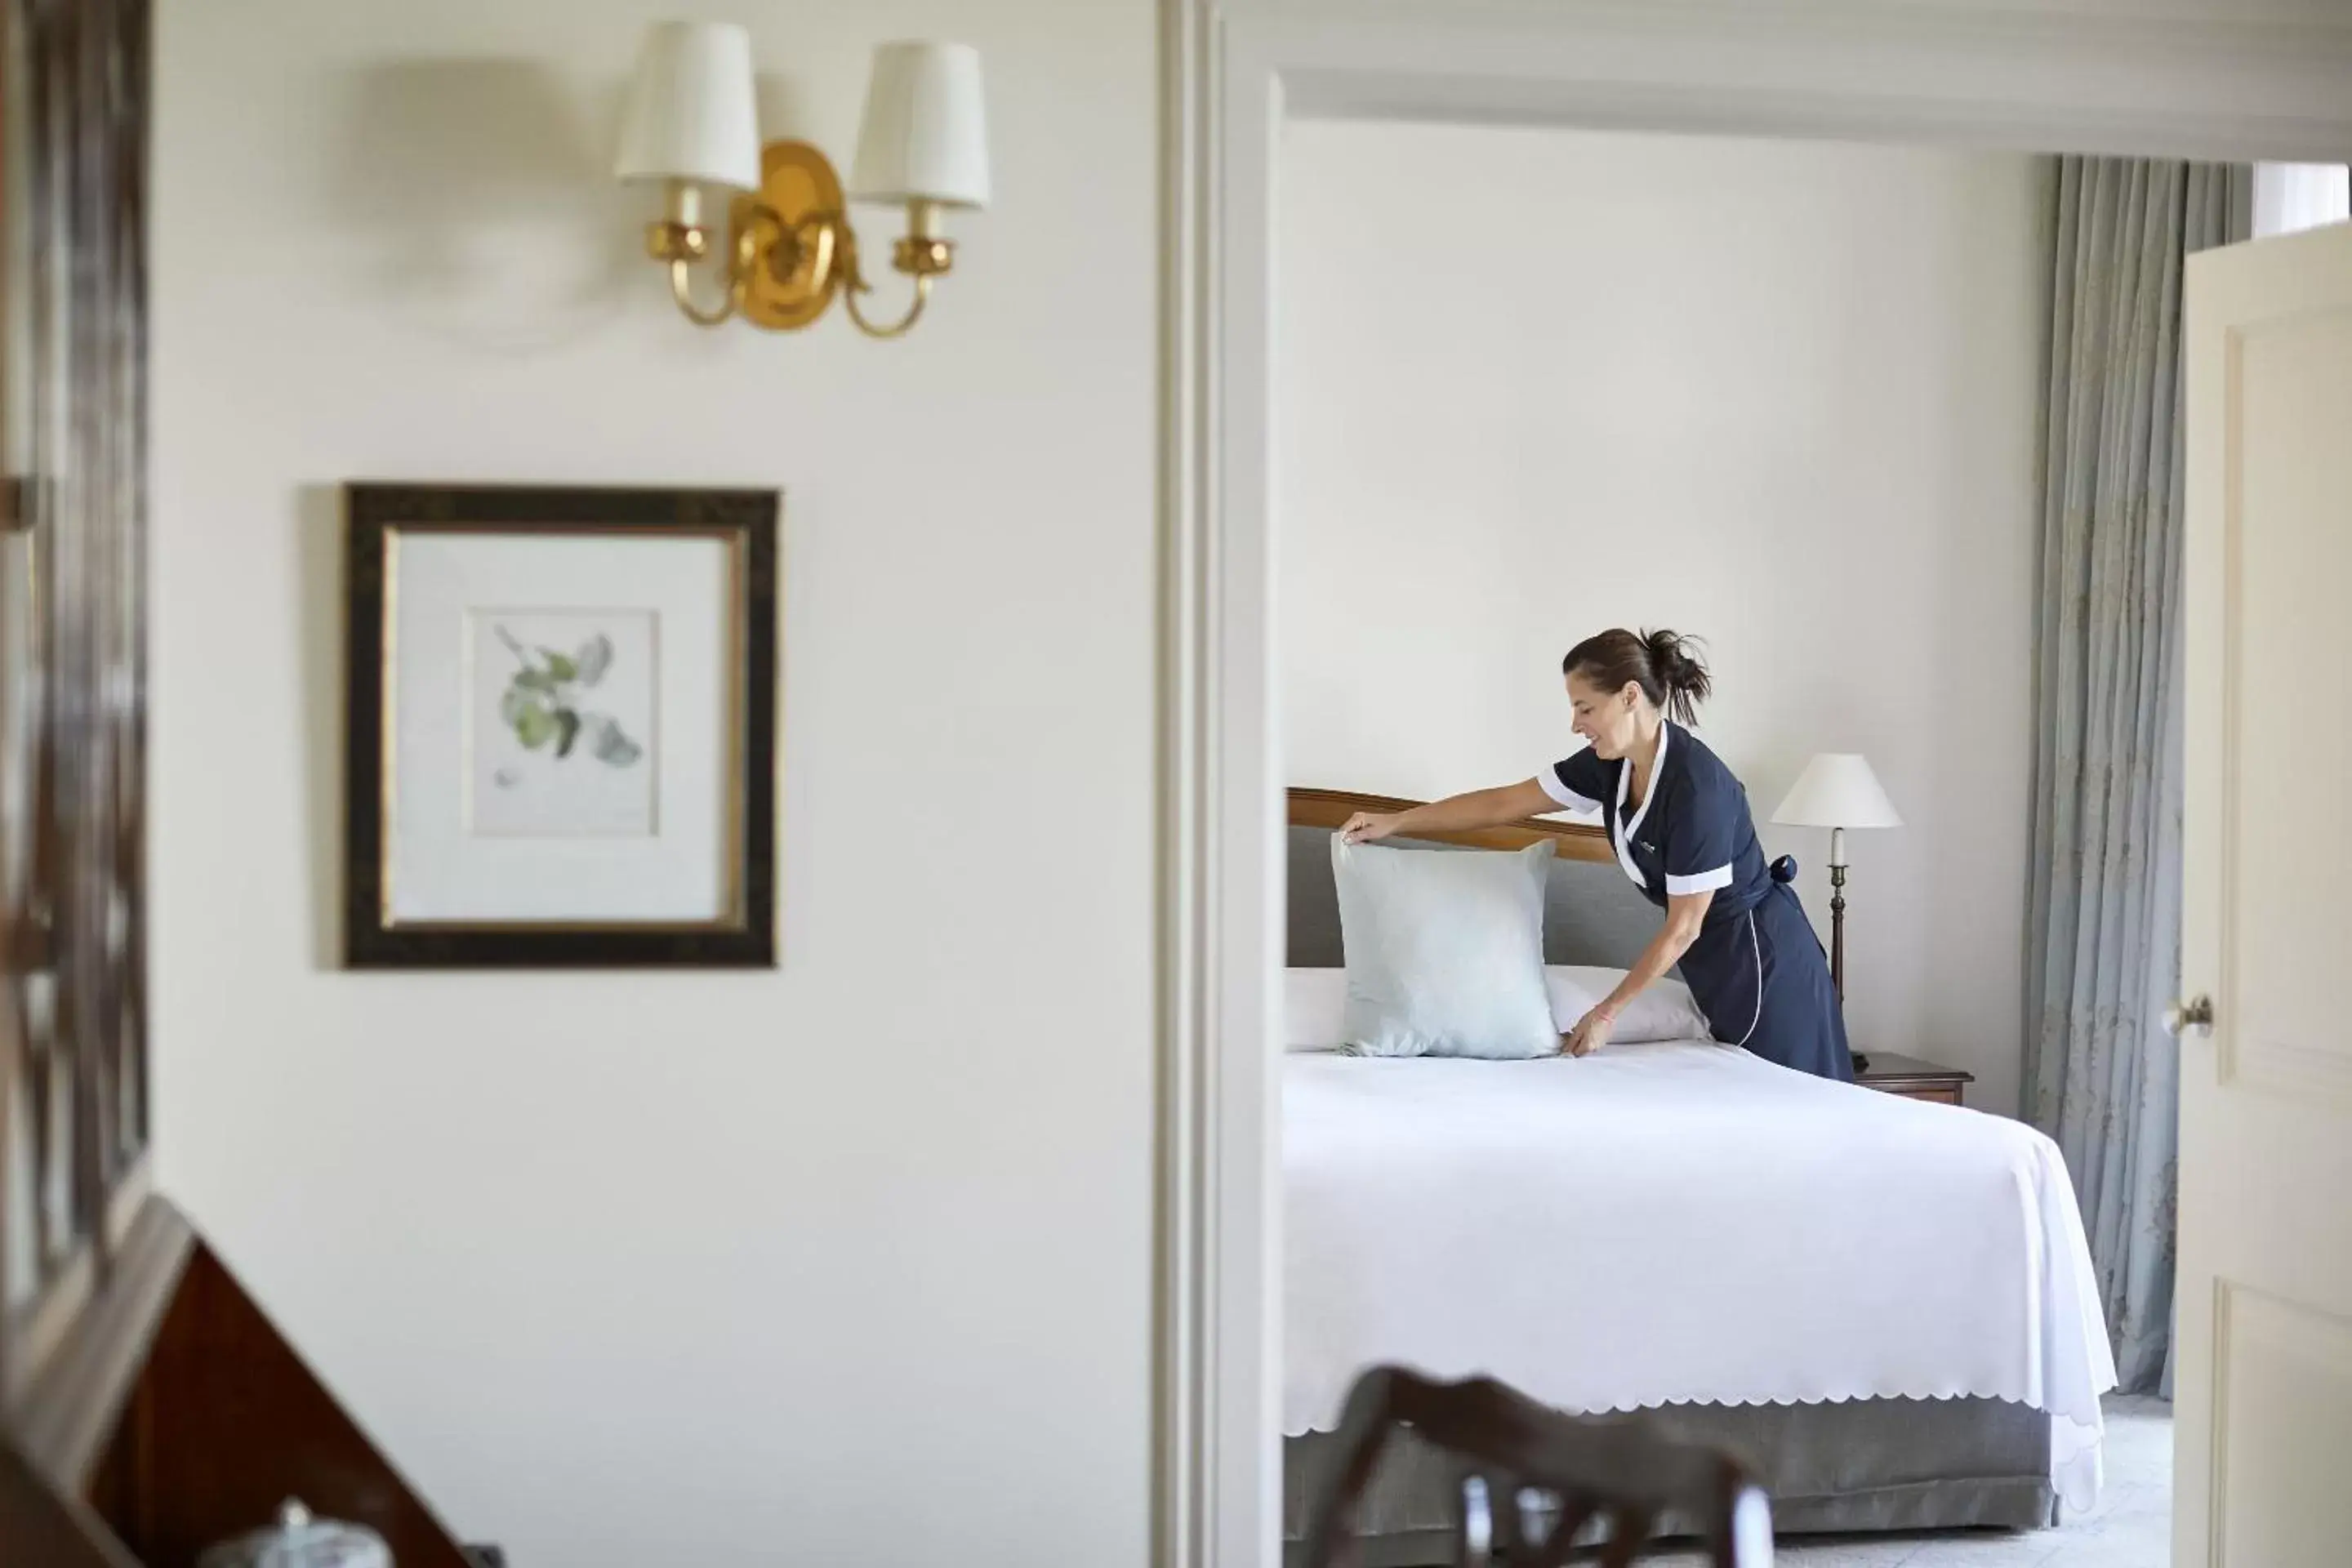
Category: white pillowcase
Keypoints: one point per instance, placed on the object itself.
(1315, 1010)
(1315, 1007)
(1445, 950)
(1664, 1011)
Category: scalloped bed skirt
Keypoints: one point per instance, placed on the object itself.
(1866, 1465)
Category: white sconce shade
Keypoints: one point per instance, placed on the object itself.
(1837, 789)
(925, 137)
(692, 114)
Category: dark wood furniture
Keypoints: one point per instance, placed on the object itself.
(148, 1407)
(171, 1414)
(73, 311)
(1617, 1470)
(1912, 1079)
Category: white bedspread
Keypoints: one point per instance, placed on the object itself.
(1683, 1222)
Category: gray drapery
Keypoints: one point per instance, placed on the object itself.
(2101, 1077)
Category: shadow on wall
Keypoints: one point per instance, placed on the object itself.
(482, 198)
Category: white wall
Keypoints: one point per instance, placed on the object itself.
(1536, 384)
(849, 1263)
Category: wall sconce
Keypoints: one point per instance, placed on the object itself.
(692, 121)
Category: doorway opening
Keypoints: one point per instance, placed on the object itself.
(1271, 84)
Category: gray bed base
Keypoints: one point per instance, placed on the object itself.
(1866, 1465)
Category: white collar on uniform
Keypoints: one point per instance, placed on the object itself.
(1624, 782)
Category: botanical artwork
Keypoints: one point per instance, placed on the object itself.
(561, 731)
(563, 724)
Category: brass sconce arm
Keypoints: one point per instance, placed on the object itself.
(682, 243)
(898, 328)
(790, 250)
(922, 255)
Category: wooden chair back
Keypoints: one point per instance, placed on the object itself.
(1520, 1461)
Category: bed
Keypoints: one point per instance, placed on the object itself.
(1885, 1307)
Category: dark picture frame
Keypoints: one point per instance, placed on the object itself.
(378, 516)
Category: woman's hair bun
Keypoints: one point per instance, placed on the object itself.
(1666, 665)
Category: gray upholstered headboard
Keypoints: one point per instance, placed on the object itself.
(1591, 913)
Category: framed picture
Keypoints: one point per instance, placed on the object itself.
(561, 731)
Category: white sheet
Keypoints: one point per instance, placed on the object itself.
(1680, 1222)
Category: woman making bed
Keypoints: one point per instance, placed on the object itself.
(1679, 820)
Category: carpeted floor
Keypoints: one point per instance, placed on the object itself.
(2131, 1528)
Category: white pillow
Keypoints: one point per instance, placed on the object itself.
(1664, 1011)
(1315, 1010)
(1445, 950)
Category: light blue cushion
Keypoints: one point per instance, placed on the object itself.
(1445, 950)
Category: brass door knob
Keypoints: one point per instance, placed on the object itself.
(2194, 1016)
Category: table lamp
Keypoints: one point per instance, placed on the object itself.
(1838, 791)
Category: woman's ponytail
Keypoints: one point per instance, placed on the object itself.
(1666, 665)
(1681, 671)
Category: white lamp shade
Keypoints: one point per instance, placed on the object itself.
(1837, 789)
(925, 137)
(692, 114)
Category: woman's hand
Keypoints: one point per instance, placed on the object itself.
(1365, 827)
(1591, 1032)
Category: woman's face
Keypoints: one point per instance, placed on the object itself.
(1610, 720)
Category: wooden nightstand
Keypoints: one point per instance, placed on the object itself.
(1912, 1079)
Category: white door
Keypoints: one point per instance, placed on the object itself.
(2263, 1360)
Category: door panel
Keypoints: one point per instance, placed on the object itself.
(2263, 1359)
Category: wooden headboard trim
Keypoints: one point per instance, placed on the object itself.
(1571, 840)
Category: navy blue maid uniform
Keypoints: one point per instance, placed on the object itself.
(1756, 969)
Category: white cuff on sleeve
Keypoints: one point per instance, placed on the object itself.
(1704, 883)
(1568, 799)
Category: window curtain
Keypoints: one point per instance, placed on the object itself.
(2101, 1077)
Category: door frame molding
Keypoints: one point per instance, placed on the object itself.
(1232, 73)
